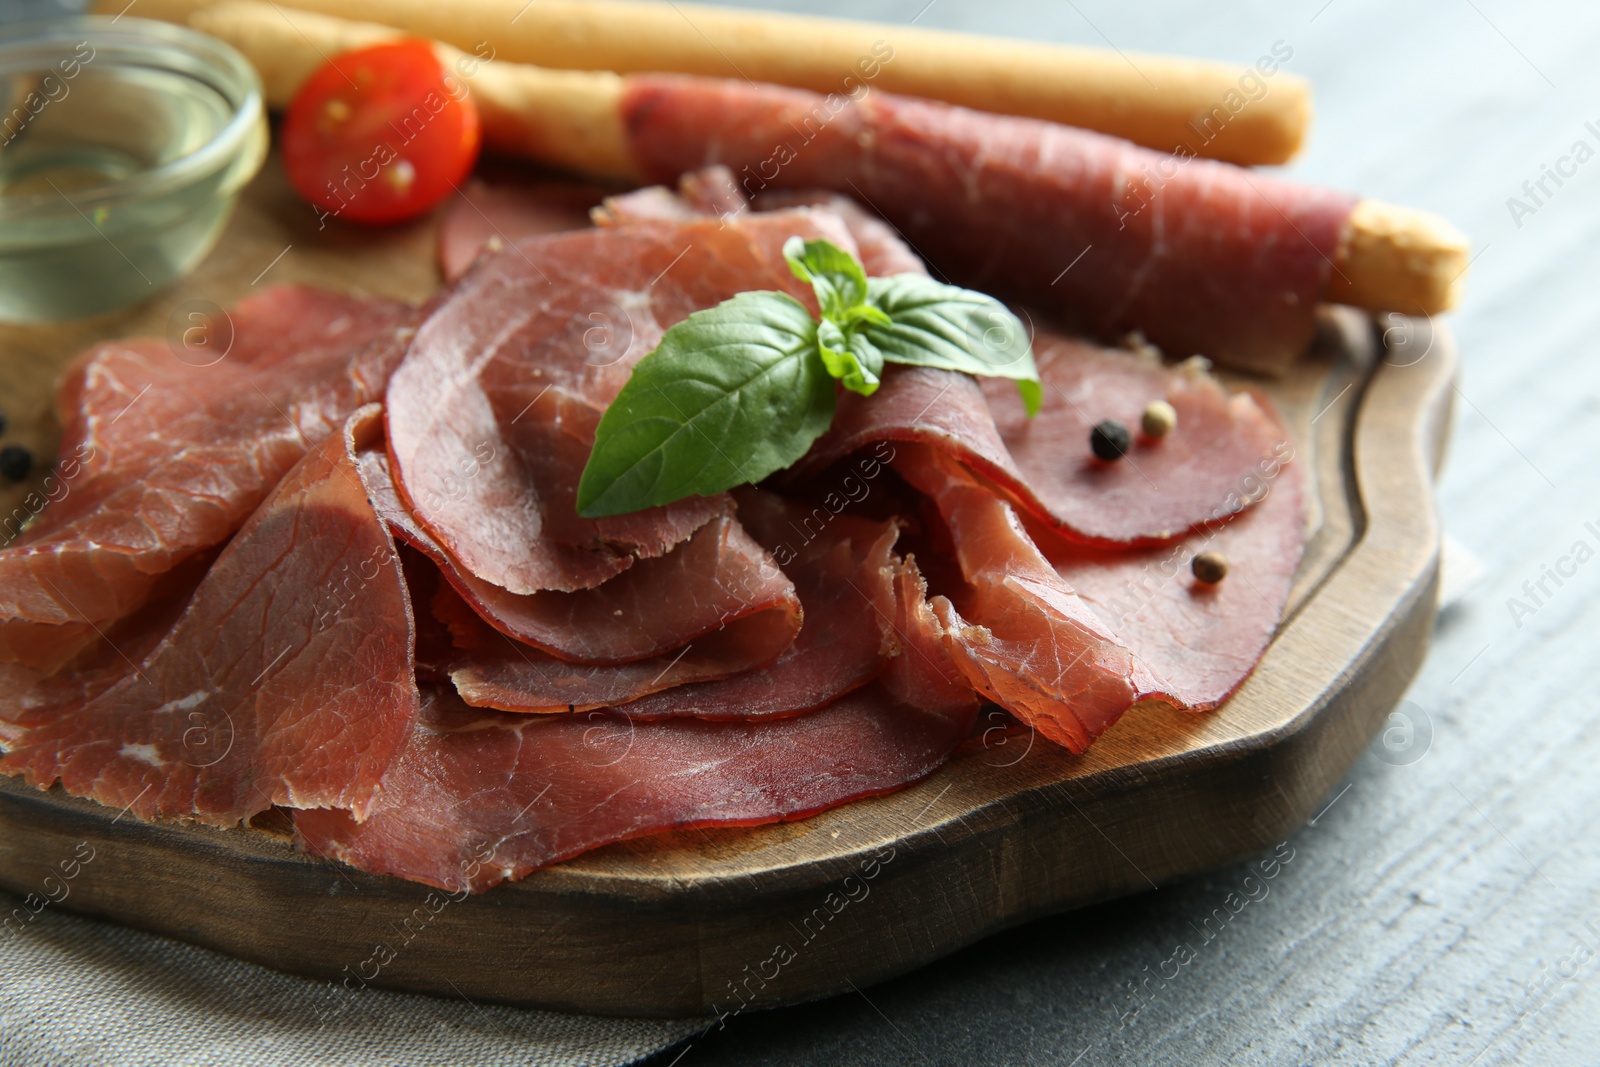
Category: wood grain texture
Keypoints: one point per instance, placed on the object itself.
(677, 924)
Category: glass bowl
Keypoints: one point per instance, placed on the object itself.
(124, 143)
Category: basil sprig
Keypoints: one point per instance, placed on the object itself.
(738, 391)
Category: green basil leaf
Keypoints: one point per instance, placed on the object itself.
(937, 325)
(835, 275)
(730, 395)
(851, 358)
(866, 313)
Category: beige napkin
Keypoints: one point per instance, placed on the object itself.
(75, 992)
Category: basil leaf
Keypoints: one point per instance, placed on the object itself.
(835, 275)
(937, 325)
(851, 358)
(730, 395)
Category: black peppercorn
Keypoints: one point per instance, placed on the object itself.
(15, 463)
(1109, 439)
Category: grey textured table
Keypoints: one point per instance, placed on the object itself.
(1444, 907)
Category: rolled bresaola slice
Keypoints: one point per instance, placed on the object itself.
(1202, 257)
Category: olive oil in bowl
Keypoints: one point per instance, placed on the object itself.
(123, 146)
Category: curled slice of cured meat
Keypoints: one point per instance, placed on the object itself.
(489, 217)
(711, 578)
(844, 571)
(708, 191)
(288, 679)
(1200, 471)
(883, 251)
(1202, 256)
(482, 797)
(715, 191)
(762, 618)
(1200, 641)
(1021, 636)
(1153, 495)
(169, 446)
(923, 673)
(492, 414)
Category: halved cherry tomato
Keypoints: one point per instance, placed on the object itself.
(380, 134)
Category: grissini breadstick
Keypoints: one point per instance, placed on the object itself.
(1254, 114)
(1373, 255)
(1398, 258)
(563, 118)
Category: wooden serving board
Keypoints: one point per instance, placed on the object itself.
(695, 922)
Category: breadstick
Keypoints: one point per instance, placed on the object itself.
(564, 118)
(1399, 259)
(1247, 115)
(1392, 258)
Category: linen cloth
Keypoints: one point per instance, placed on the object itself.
(76, 992)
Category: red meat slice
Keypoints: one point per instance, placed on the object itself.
(844, 571)
(288, 680)
(710, 191)
(29, 696)
(168, 458)
(763, 617)
(491, 416)
(1202, 256)
(482, 797)
(1158, 491)
(491, 217)
(713, 191)
(1032, 645)
(883, 251)
(1201, 641)
(923, 672)
(1199, 472)
(716, 576)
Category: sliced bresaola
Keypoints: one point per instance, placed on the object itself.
(1155, 493)
(492, 670)
(489, 217)
(1201, 256)
(166, 457)
(1020, 635)
(844, 571)
(1070, 640)
(883, 251)
(1198, 472)
(718, 575)
(1201, 641)
(491, 416)
(29, 696)
(288, 680)
(709, 191)
(716, 192)
(482, 797)
(922, 672)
